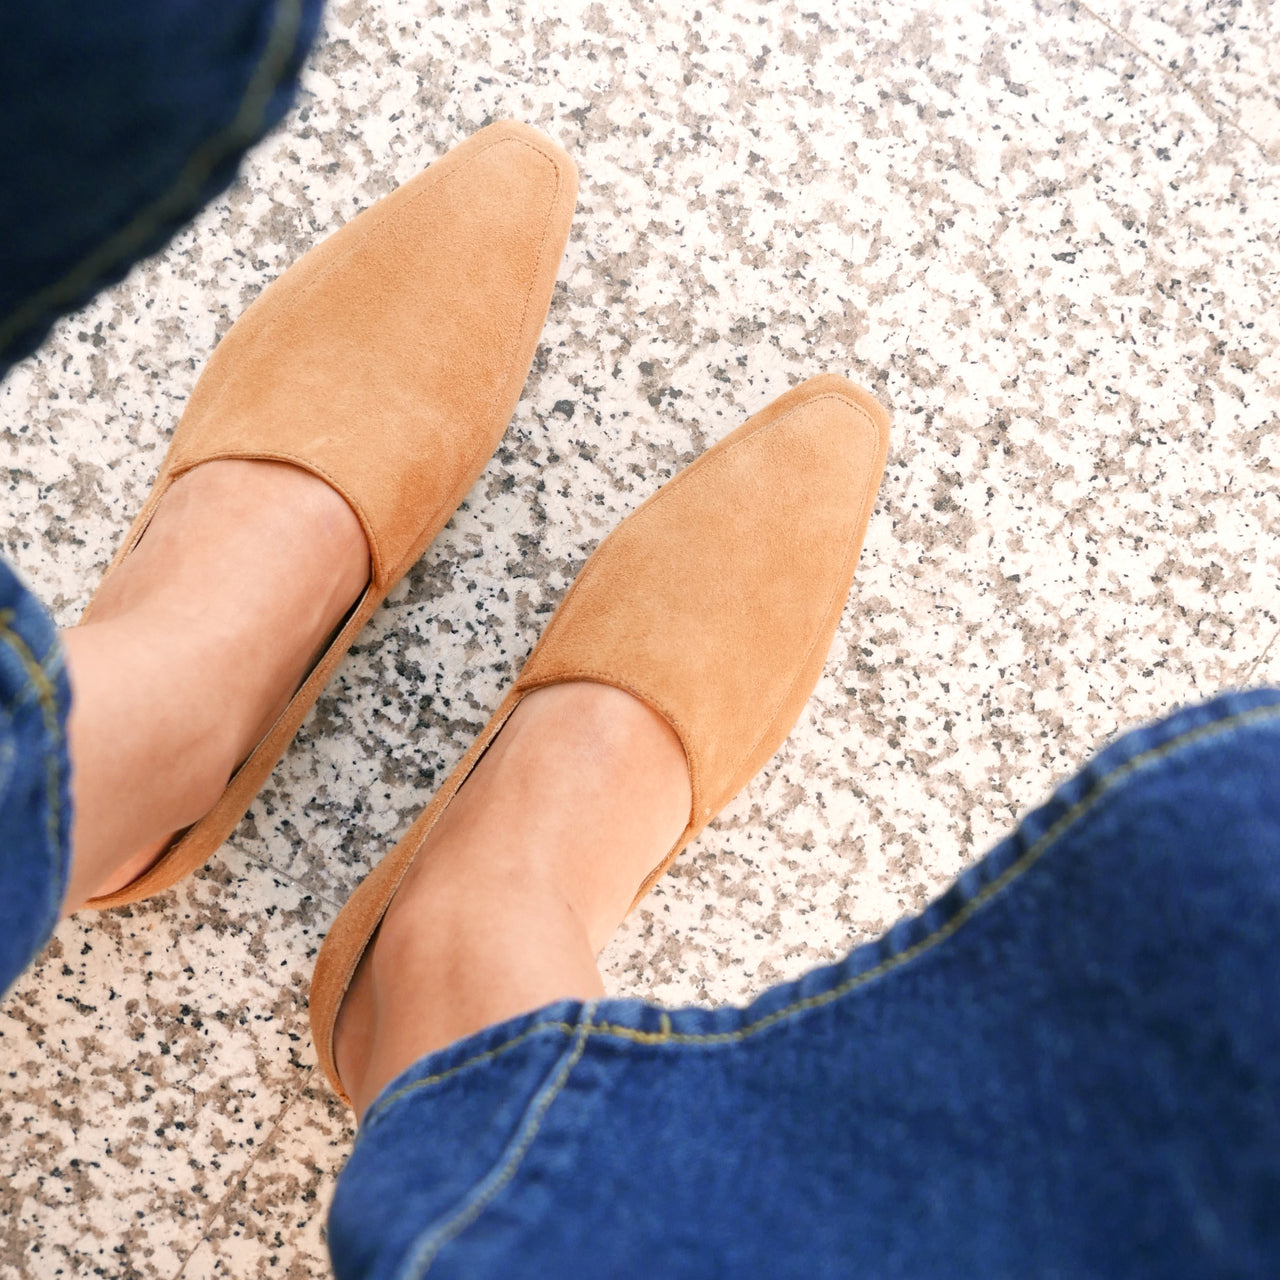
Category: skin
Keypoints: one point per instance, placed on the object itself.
(520, 883)
(197, 643)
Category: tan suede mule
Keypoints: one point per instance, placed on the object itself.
(714, 603)
(387, 362)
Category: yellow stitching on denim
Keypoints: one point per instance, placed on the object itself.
(665, 1036)
(465, 1217)
(566, 1027)
(1104, 787)
(244, 124)
(48, 699)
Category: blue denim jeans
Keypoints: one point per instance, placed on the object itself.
(35, 775)
(119, 122)
(1068, 1065)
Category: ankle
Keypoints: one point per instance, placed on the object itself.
(605, 784)
(448, 962)
(456, 906)
(523, 878)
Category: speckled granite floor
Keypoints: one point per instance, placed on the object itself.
(1046, 235)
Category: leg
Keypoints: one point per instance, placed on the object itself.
(715, 602)
(522, 881)
(196, 643)
(1067, 1065)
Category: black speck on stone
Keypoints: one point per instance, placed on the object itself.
(565, 407)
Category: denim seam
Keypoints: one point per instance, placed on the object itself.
(428, 1246)
(46, 669)
(565, 1028)
(242, 130)
(47, 697)
(1105, 787)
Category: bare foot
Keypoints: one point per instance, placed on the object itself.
(520, 883)
(195, 645)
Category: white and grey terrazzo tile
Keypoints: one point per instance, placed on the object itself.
(1224, 51)
(272, 1224)
(1056, 263)
(146, 1057)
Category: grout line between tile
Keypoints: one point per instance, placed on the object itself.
(1260, 659)
(266, 864)
(233, 1184)
(1206, 103)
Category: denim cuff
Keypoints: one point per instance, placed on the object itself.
(35, 777)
